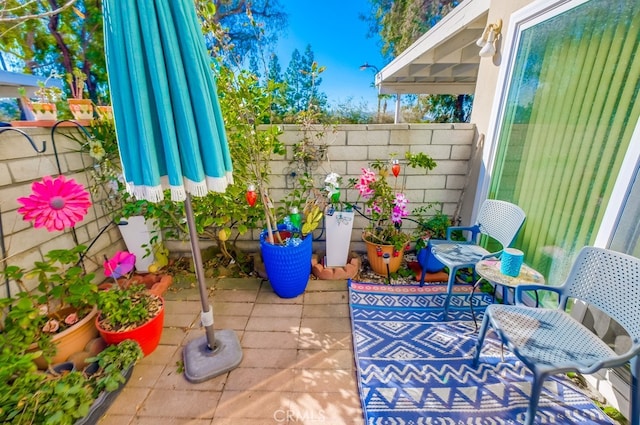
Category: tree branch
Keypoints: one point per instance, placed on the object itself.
(20, 19)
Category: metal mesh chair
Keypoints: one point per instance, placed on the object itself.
(550, 341)
(499, 220)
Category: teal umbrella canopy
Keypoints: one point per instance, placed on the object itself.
(170, 132)
(168, 121)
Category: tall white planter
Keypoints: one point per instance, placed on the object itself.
(137, 234)
(339, 226)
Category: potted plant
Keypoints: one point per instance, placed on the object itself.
(82, 109)
(45, 108)
(385, 205)
(52, 310)
(131, 312)
(338, 221)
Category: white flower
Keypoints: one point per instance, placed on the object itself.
(96, 151)
(332, 182)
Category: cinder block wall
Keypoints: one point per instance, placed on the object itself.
(349, 148)
(352, 147)
(20, 165)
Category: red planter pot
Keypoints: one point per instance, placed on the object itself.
(147, 335)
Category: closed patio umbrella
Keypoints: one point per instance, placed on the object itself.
(170, 132)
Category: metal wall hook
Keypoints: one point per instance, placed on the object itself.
(33, 144)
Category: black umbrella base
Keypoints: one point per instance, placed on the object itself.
(201, 363)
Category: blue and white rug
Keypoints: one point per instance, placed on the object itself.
(415, 369)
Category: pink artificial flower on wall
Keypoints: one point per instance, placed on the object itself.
(55, 203)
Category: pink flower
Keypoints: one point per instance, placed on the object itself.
(120, 264)
(51, 326)
(55, 203)
(71, 319)
(367, 176)
(364, 189)
(401, 201)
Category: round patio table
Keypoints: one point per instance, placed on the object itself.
(489, 270)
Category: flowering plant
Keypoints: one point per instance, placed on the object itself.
(385, 204)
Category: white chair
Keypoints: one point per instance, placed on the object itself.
(550, 341)
(499, 220)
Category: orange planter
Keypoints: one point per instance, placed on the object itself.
(82, 109)
(147, 335)
(375, 254)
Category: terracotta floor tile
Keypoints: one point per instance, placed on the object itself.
(152, 420)
(160, 356)
(265, 405)
(182, 320)
(334, 408)
(260, 379)
(324, 381)
(180, 404)
(269, 357)
(245, 284)
(276, 324)
(325, 359)
(237, 323)
(326, 285)
(267, 296)
(145, 375)
(128, 401)
(276, 310)
(227, 308)
(109, 419)
(256, 339)
(322, 310)
(327, 298)
(322, 340)
(325, 324)
(183, 307)
(234, 296)
(172, 336)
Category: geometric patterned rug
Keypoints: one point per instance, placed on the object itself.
(415, 369)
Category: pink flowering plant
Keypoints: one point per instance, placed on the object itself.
(381, 190)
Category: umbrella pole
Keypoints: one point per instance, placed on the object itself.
(207, 310)
(212, 354)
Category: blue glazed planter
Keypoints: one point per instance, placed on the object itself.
(428, 261)
(288, 267)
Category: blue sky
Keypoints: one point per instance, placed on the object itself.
(338, 39)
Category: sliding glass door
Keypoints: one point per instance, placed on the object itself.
(570, 109)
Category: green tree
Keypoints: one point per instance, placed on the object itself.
(56, 35)
(400, 23)
(302, 83)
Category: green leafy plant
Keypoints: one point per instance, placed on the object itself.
(112, 362)
(76, 80)
(123, 308)
(48, 94)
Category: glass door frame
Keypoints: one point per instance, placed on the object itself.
(525, 18)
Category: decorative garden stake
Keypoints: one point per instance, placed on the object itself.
(251, 195)
(395, 168)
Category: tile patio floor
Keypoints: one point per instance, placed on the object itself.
(297, 367)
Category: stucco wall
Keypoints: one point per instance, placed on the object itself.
(20, 165)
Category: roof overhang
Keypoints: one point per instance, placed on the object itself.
(444, 60)
(10, 82)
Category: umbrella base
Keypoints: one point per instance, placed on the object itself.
(201, 363)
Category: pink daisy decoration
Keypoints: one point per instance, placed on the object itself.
(55, 203)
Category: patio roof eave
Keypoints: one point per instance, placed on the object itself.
(444, 60)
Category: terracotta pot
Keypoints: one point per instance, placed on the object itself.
(147, 335)
(375, 254)
(82, 109)
(44, 111)
(72, 339)
(105, 112)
